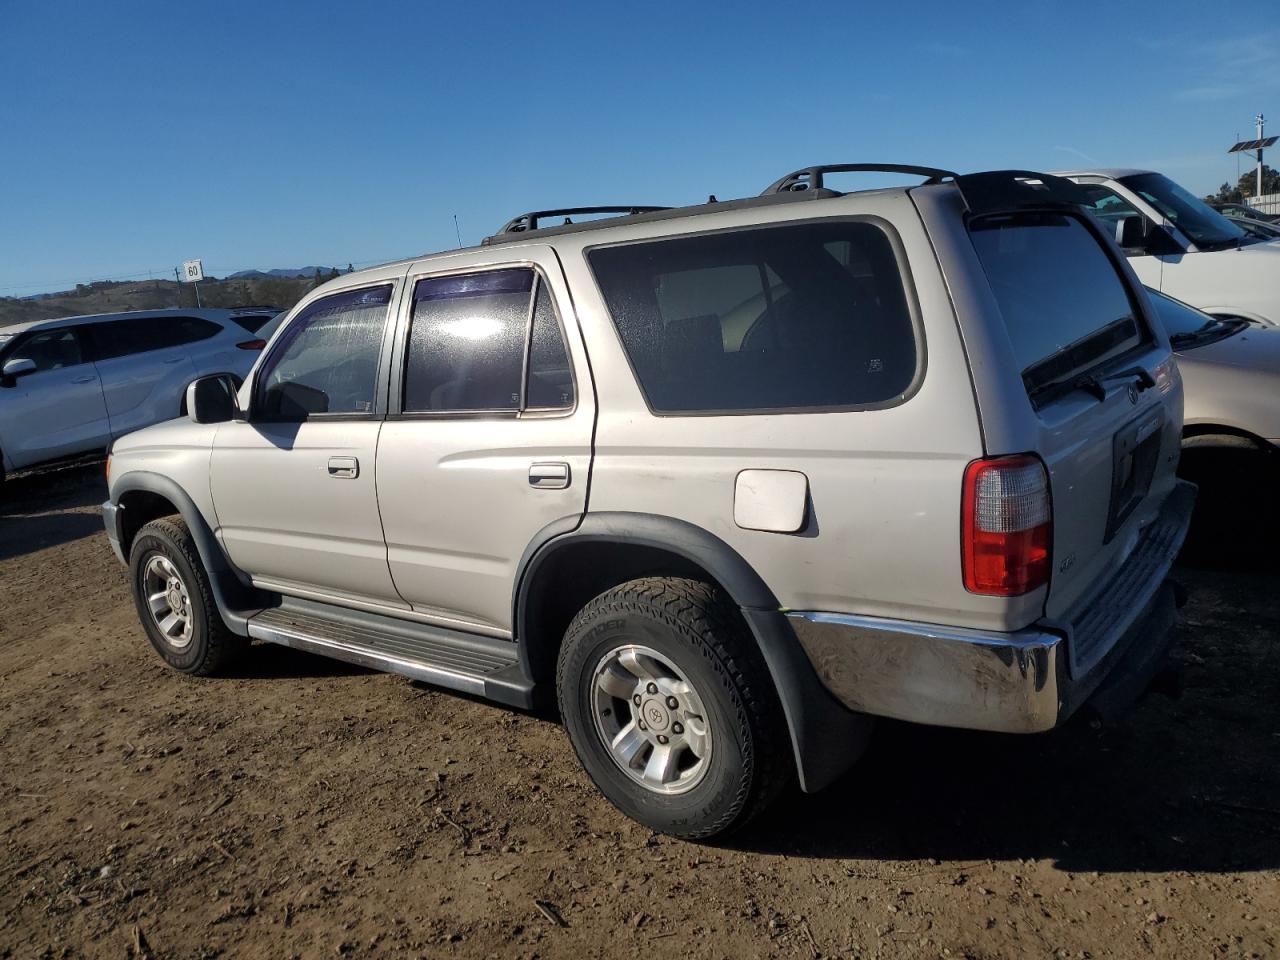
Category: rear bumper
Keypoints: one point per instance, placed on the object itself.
(1022, 682)
(110, 520)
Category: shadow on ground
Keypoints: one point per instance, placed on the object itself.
(271, 661)
(40, 510)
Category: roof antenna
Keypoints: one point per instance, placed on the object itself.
(456, 232)
(712, 199)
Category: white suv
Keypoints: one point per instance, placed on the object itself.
(69, 386)
(1181, 246)
(728, 480)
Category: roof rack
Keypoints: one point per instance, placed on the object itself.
(529, 221)
(810, 178)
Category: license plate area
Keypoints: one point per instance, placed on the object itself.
(1135, 452)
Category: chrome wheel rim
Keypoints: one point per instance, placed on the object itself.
(651, 719)
(168, 601)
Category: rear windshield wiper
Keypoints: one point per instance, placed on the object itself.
(1097, 386)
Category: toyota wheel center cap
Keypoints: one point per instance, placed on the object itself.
(655, 714)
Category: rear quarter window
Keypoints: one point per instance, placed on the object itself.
(797, 317)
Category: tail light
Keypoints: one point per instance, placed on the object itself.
(1006, 526)
(251, 344)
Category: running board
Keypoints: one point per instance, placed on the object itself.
(484, 666)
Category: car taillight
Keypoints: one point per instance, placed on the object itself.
(251, 344)
(1006, 526)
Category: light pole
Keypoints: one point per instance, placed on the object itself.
(1249, 146)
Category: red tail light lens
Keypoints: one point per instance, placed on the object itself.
(1007, 526)
(252, 344)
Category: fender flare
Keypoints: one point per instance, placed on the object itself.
(231, 589)
(826, 737)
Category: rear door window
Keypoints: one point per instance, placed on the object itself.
(486, 341)
(786, 318)
(1061, 297)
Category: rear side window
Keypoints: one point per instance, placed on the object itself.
(1062, 299)
(123, 338)
(253, 322)
(796, 317)
(487, 341)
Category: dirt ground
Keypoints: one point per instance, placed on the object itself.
(306, 809)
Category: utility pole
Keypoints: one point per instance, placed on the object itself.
(1260, 121)
(1249, 146)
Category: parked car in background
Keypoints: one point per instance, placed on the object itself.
(1261, 229)
(253, 318)
(1179, 245)
(1244, 211)
(70, 386)
(689, 471)
(1231, 439)
(1231, 375)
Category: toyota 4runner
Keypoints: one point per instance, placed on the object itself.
(730, 479)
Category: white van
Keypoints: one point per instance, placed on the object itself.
(1179, 245)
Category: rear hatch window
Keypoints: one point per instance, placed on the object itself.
(1063, 302)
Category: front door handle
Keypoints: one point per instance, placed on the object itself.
(344, 468)
(549, 476)
(84, 379)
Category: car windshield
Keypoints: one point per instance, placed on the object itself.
(1203, 226)
(1178, 319)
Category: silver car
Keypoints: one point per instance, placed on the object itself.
(728, 481)
(1231, 374)
(68, 386)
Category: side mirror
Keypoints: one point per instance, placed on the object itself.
(1131, 233)
(15, 368)
(1139, 235)
(212, 399)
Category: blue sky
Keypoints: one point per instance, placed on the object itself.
(260, 135)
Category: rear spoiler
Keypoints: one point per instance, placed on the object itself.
(993, 191)
(1008, 191)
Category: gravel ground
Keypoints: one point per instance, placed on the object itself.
(305, 808)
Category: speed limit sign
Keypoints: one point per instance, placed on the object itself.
(192, 271)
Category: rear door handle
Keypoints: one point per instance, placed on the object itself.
(175, 360)
(549, 476)
(344, 468)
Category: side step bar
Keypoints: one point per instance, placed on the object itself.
(483, 666)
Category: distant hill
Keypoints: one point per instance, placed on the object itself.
(114, 297)
(285, 272)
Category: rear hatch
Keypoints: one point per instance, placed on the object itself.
(1103, 387)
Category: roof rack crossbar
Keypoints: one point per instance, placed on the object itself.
(810, 178)
(529, 221)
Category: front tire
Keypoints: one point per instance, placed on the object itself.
(175, 602)
(670, 707)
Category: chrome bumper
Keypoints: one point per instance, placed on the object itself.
(1020, 682)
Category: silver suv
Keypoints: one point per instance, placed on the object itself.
(731, 480)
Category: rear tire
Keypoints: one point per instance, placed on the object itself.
(175, 602)
(671, 709)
